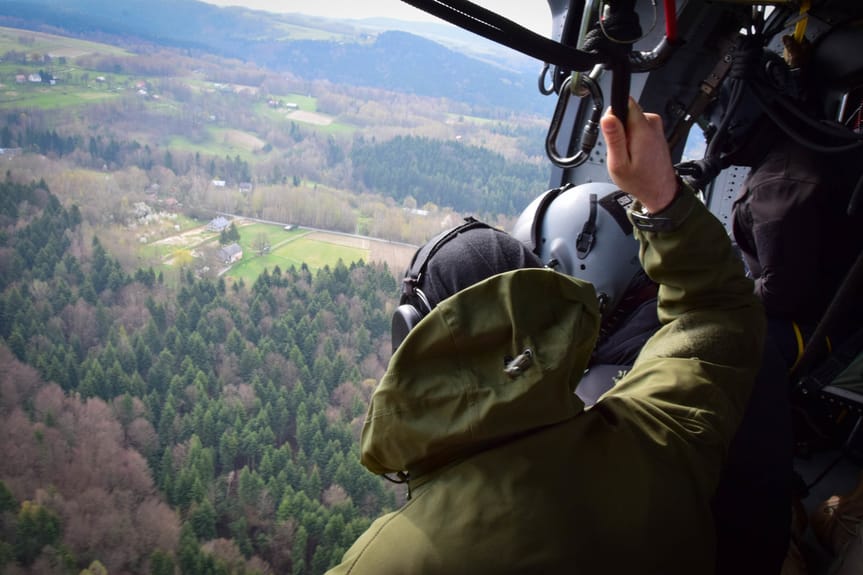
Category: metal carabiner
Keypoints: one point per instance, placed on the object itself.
(585, 85)
(543, 75)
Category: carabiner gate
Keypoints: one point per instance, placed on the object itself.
(585, 85)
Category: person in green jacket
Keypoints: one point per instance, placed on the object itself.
(507, 472)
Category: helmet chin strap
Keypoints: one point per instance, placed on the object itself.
(587, 237)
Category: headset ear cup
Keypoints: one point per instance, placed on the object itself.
(405, 318)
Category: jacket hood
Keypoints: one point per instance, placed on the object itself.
(446, 394)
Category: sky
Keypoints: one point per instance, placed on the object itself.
(532, 14)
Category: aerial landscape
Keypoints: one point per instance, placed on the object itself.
(406, 286)
(205, 211)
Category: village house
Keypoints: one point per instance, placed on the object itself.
(218, 224)
(231, 253)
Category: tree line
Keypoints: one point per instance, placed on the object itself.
(203, 428)
(447, 173)
(111, 153)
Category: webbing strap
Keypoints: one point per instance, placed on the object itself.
(800, 27)
(496, 28)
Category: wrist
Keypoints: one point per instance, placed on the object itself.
(670, 216)
(657, 203)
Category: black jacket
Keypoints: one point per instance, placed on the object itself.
(791, 224)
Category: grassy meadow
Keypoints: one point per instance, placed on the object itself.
(58, 46)
(287, 248)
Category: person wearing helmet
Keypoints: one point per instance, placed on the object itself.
(506, 470)
(579, 231)
(583, 231)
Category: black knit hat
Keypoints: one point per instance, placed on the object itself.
(452, 261)
(475, 254)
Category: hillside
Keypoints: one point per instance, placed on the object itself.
(308, 47)
(203, 219)
(110, 127)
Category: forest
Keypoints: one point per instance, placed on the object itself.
(475, 180)
(202, 428)
(157, 420)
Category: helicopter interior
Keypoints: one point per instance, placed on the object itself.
(677, 59)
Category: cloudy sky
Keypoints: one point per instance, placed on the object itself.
(533, 14)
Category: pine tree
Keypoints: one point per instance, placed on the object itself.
(36, 528)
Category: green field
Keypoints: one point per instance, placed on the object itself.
(287, 249)
(221, 142)
(58, 46)
(306, 103)
(295, 32)
(50, 97)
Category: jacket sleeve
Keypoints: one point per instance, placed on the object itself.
(690, 383)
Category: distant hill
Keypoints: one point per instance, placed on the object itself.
(313, 48)
(460, 40)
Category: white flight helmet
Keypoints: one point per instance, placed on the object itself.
(583, 231)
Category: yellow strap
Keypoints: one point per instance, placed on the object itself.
(800, 27)
(798, 335)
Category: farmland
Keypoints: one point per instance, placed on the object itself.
(267, 246)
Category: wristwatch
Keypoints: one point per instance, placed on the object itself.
(671, 216)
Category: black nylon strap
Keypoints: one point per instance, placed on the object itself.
(539, 216)
(422, 257)
(495, 27)
(585, 240)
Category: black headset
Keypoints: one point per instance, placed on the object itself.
(413, 303)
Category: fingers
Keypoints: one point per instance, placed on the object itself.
(615, 140)
(635, 116)
(638, 159)
(654, 121)
(621, 155)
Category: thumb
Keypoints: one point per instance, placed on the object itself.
(615, 140)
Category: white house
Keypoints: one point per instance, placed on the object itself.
(231, 253)
(218, 224)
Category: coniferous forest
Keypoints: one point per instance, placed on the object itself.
(161, 413)
(446, 173)
(197, 428)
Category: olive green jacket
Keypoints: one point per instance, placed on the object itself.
(510, 474)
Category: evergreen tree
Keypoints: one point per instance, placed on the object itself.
(298, 552)
(161, 563)
(36, 528)
(202, 516)
(8, 503)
